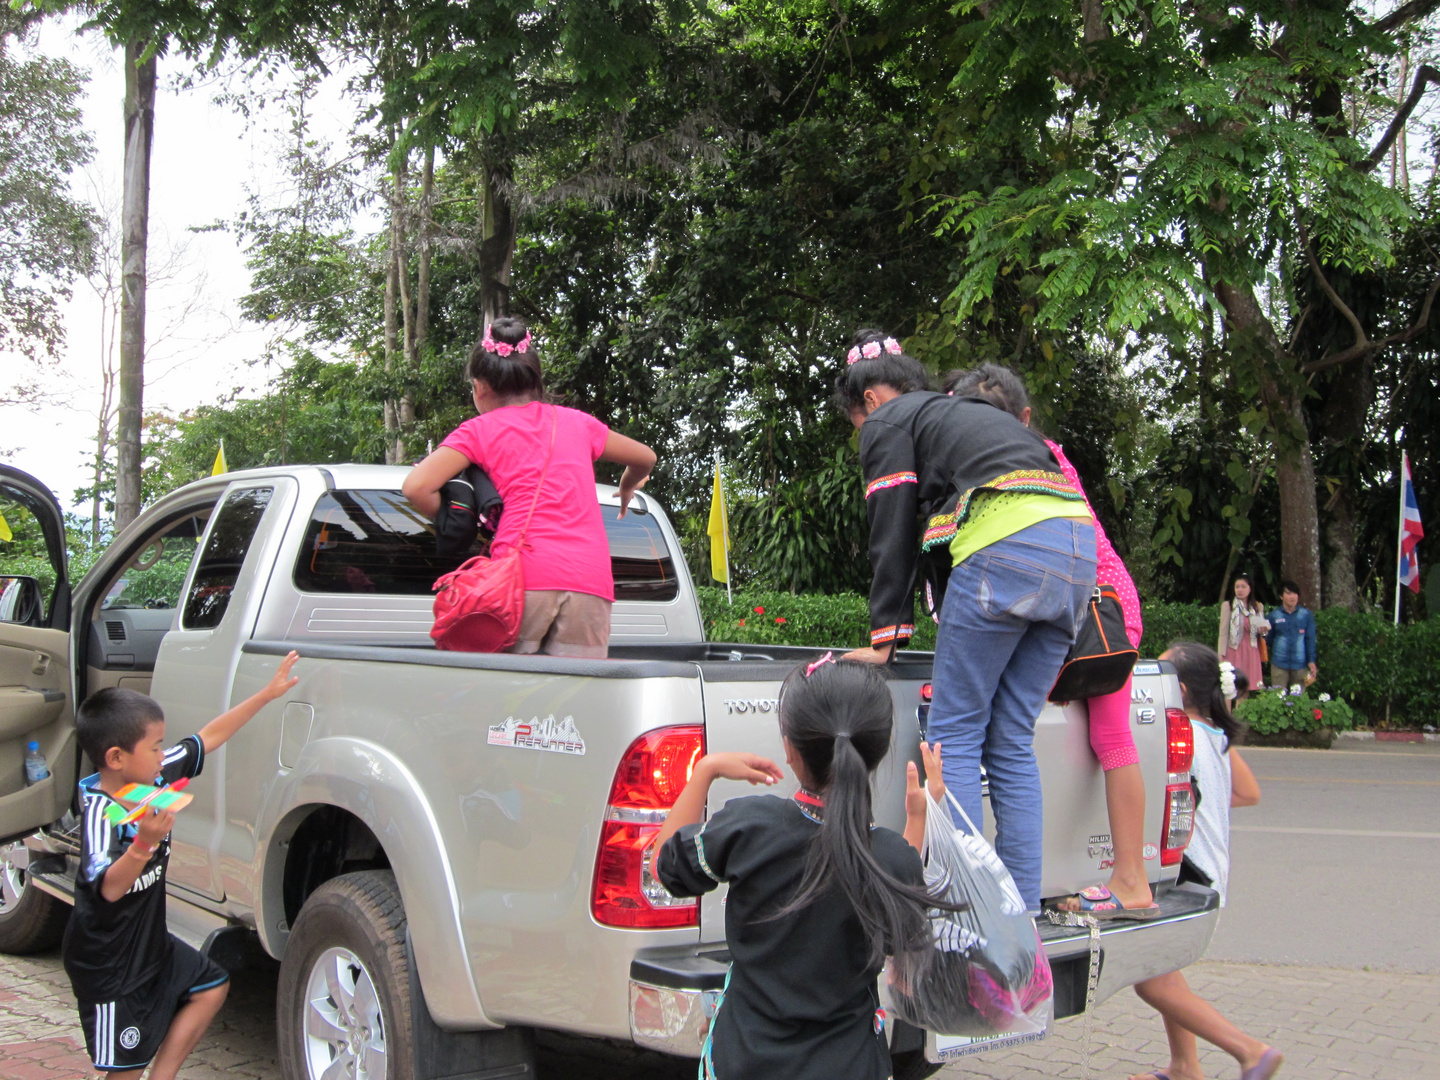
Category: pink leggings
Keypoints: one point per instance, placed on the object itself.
(1110, 735)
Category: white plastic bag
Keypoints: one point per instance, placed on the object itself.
(985, 972)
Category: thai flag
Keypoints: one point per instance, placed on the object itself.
(1410, 529)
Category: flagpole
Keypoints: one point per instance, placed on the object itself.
(1400, 536)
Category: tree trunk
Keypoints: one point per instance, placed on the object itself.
(392, 333)
(135, 232)
(400, 230)
(497, 244)
(422, 282)
(1248, 327)
(1351, 391)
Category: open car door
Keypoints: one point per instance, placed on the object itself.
(35, 685)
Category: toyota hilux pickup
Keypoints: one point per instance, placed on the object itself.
(448, 851)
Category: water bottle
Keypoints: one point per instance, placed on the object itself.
(35, 767)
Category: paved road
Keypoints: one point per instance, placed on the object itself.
(1338, 860)
(1324, 951)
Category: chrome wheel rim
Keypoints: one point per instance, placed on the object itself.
(344, 1031)
(12, 878)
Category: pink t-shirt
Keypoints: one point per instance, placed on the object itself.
(565, 548)
(1109, 570)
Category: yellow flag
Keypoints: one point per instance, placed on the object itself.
(5, 533)
(719, 530)
(220, 466)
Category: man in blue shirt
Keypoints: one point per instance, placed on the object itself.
(1291, 640)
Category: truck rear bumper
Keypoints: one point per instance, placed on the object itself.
(673, 990)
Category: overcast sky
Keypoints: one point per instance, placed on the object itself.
(204, 164)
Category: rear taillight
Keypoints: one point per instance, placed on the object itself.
(647, 782)
(1179, 821)
(1179, 795)
(922, 711)
(1181, 739)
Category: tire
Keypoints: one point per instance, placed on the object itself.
(344, 990)
(31, 921)
(911, 1065)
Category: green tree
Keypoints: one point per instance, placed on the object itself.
(46, 236)
(1166, 173)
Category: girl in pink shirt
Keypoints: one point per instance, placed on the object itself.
(1128, 894)
(565, 557)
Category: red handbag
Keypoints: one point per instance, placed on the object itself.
(478, 608)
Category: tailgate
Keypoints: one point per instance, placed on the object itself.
(741, 698)
(1077, 847)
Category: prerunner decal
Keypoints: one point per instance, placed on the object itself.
(557, 736)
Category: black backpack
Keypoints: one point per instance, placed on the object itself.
(469, 506)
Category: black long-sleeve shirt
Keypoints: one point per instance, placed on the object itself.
(927, 454)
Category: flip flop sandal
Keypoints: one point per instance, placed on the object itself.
(1268, 1065)
(1158, 1074)
(1100, 902)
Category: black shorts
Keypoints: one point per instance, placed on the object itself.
(126, 1034)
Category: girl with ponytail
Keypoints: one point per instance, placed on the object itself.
(818, 894)
(1222, 780)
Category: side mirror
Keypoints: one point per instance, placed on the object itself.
(21, 601)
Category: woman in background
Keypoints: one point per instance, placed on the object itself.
(1243, 627)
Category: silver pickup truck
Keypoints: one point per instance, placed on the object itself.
(448, 851)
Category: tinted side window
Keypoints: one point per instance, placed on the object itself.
(375, 542)
(639, 557)
(224, 554)
(369, 542)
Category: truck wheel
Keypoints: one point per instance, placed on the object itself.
(911, 1065)
(30, 920)
(342, 1006)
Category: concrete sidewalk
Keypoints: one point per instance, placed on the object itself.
(1330, 1023)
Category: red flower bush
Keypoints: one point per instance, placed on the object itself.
(780, 620)
(759, 611)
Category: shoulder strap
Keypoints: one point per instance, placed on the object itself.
(525, 529)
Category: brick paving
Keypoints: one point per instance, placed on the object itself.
(1332, 1024)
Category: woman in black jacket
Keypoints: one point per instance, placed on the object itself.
(1009, 546)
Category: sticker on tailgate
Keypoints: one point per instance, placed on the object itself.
(556, 736)
(949, 1047)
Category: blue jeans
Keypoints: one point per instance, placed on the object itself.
(1010, 616)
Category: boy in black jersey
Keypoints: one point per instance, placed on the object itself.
(145, 997)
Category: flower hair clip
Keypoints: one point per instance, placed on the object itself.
(504, 348)
(871, 349)
(828, 658)
(1227, 678)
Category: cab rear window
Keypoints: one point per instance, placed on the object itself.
(367, 541)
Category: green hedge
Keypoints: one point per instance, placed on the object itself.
(763, 617)
(1363, 658)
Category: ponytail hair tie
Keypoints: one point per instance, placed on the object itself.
(504, 348)
(871, 349)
